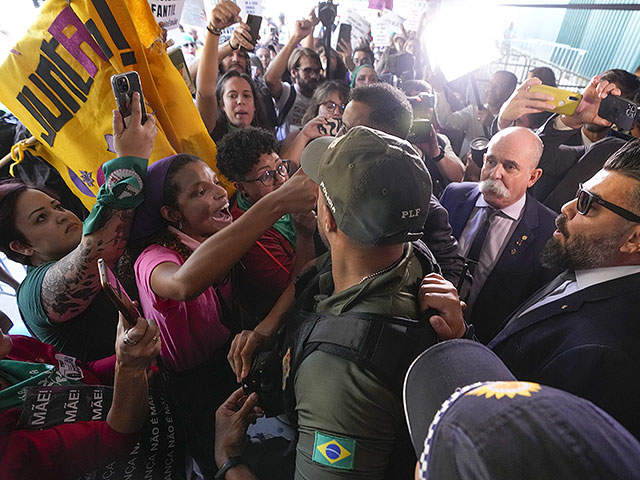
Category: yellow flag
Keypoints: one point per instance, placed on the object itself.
(56, 80)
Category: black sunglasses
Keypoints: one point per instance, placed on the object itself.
(585, 198)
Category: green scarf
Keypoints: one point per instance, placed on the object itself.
(24, 374)
(284, 225)
(124, 179)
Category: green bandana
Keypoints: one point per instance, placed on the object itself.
(24, 374)
(284, 225)
(122, 189)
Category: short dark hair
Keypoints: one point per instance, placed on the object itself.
(627, 82)
(626, 161)
(365, 49)
(545, 74)
(508, 83)
(416, 86)
(10, 190)
(240, 150)
(389, 109)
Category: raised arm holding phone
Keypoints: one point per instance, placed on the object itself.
(60, 252)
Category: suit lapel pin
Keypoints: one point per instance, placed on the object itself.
(521, 241)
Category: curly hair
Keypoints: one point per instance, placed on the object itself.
(240, 150)
(389, 109)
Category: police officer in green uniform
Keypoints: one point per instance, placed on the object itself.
(374, 194)
(373, 201)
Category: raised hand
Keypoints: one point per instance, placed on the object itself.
(137, 139)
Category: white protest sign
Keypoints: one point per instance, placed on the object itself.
(384, 27)
(411, 10)
(253, 7)
(167, 11)
(359, 26)
(194, 14)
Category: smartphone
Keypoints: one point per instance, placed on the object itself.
(619, 111)
(344, 35)
(254, 22)
(331, 128)
(117, 294)
(565, 101)
(123, 85)
(420, 131)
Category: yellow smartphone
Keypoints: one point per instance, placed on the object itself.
(565, 101)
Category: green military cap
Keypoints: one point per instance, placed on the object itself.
(375, 184)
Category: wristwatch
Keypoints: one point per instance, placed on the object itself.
(440, 156)
(230, 463)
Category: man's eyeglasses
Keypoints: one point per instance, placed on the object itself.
(268, 178)
(308, 71)
(585, 198)
(331, 106)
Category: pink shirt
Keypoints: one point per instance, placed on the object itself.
(191, 331)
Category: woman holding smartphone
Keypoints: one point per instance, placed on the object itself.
(61, 300)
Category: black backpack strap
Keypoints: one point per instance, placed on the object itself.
(381, 344)
(287, 106)
(427, 259)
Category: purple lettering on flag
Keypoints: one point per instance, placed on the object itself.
(72, 44)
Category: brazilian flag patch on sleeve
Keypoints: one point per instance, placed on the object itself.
(336, 452)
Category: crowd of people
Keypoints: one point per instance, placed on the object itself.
(390, 253)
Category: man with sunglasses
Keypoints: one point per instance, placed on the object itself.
(580, 333)
(249, 158)
(303, 64)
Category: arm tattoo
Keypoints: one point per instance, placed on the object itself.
(71, 284)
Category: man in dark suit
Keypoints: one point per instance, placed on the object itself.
(501, 229)
(566, 138)
(575, 146)
(581, 332)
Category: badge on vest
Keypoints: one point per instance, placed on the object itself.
(332, 451)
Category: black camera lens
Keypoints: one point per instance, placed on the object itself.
(122, 83)
(478, 149)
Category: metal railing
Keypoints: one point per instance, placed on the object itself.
(563, 56)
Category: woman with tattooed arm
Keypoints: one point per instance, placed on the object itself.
(60, 299)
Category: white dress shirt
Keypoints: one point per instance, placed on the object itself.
(502, 227)
(584, 279)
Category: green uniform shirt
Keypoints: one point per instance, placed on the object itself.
(337, 402)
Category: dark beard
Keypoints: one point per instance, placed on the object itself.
(593, 128)
(579, 252)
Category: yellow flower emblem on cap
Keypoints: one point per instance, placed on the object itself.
(505, 389)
